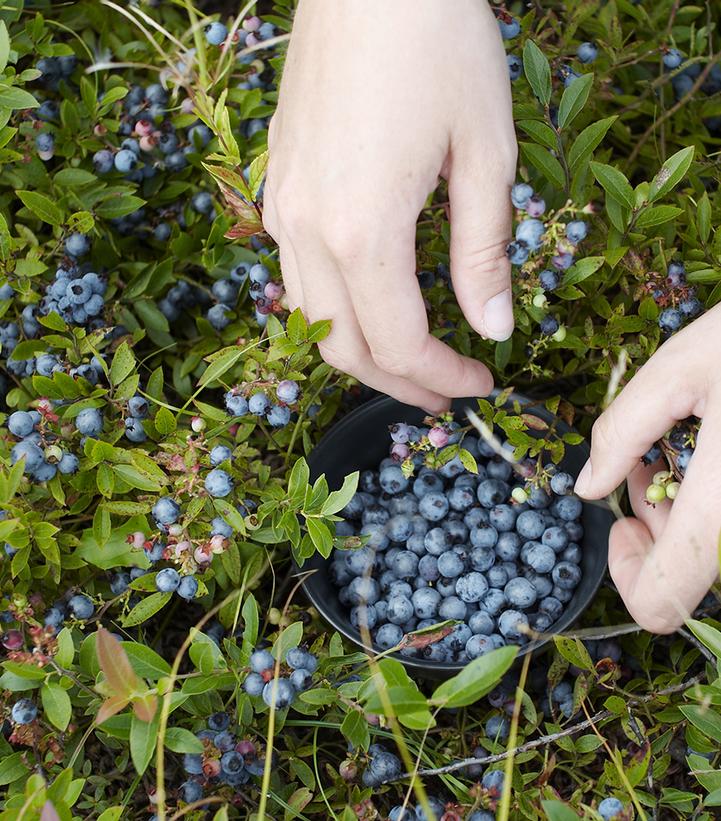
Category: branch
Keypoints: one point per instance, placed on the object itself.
(543, 740)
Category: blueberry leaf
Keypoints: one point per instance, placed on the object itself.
(475, 680)
(574, 99)
(538, 71)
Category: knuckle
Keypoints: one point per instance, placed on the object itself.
(340, 360)
(391, 360)
(604, 435)
(651, 619)
(345, 239)
(477, 256)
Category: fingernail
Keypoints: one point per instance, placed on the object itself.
(583, 483)
(498, 316)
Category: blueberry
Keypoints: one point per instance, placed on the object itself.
(191, 791)
(288, 391)
(548, 325)
(360, 561)
(481, 623)
(471, 587)
(125, 160)
(450, 564)
(672, 58)
(493, 492)
(388, 635)
(508, 547)
(364, 615)
(509, 27)
(219, 527)
(670, 320)
(382, 766)
(520, 593)
(400, 609)
(261, 660)
(497, 728)
(81, 606)
(45, 144)
(503, 518)
(188, 587)
(482, 558)
(511, 624)
(216, 33)
(302, 679)
(220, 454)
(436, 541)
(377, 536)
(428, 568)
(433, 506)
(576, 231)
(392, 480)
(485, 535)
(494, 601)
(530, 232)
(566, 575)
(541, 558)
(427, 483)
(520, 194)
(167, 580)
(235, 404)
(258, 404)
(517, 252)
(21, 424)
(134, 430)
(24, 711)
(361, 590)
(166, 511)
(452, 608)
(254, 684)
(280, 691)
(549, 280)
(683, 459)
(572, 553)
(399, 529)
(497, 576)
(568, 508)
(218, 483)
(202, 202)
(193, 763)
(119, 583)
(461, 498)
(676, 274)
(89, 422)
(530, 524)
(587, 52)
(493, 781)
(426, 602)
(28, 450)
(690, 307)
(515, 66)
(610, 808)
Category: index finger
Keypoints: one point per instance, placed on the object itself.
(388, 303)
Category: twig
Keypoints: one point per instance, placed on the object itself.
(700, 80)
(543, 740)
(697, 644)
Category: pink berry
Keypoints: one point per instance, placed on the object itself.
(147, 142)
(273, 290)
(252, 23)
(438, 437)
(143, 128)
(400, 452)
(202, 556)
(218, 543)
(245, 748)
(13, 640)
(251, 40)
(138, 540)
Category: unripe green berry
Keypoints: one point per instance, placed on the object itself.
(661, 477)
(540, 301)
(274, 615)
(560, 334)
(519, 495)
(672, 489)
(655, 493)
(53, 453)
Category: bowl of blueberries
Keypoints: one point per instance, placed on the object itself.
(493, 558)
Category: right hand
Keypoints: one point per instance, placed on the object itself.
(377, 100)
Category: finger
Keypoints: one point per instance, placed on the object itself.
(288, 263)
(663, 589)
(481, 225)
(388, 303)
(641, 414)
(345, 348)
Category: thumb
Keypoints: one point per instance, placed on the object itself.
(651, 404)
(481, 222)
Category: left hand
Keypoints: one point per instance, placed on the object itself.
(664, 560)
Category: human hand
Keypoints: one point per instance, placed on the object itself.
(378, 99)
(665, 560)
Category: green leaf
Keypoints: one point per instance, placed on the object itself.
(165, 421)
(574, 650)
(57, 706)
(298, 480)
(558, 811)
(537, 71)
(338, 499)
(705, 718)
(320, 536)
(146, 608)
(581, 270)
(355, 729)
(475, 680)
(707, 635)
(650, 217)
(66, 648)
(115, 552)
(574, 99)
(468, 460)
(540, 132)
(289, 638)
(221, 365)
(123, 364)
(12, 97)
(587, 142)
(257, 172)
(41, 206)
(297, 327)
(146, 662)
(4, 45)
(73, 177)
(614, 183)
(112, 813)
(703, 217)
(180, 740)
(542, 159)
(671, 173)
(119, 206)
(12, 768)
(143, 736)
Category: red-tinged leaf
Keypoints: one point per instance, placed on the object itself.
(49, 813)
(421, 640)
(226, 177)
(110, 707)
(244, 229)
(119, 674)
(145, 707)
(534, 422)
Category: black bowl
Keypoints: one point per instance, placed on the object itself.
(360, 441)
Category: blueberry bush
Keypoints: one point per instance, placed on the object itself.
(159, 403)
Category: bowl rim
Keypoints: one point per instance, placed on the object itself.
(421, 667)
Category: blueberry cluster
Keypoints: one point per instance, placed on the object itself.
(491, 784)
(53, 70)
(252, 31)
(239, 401)
(481, 549)
(536, 239)
(37, 445)
(77, 606)
(78, 296)
(677, 447)
(674, 296)
(295, 676)
(226, 759)
(510, 28)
